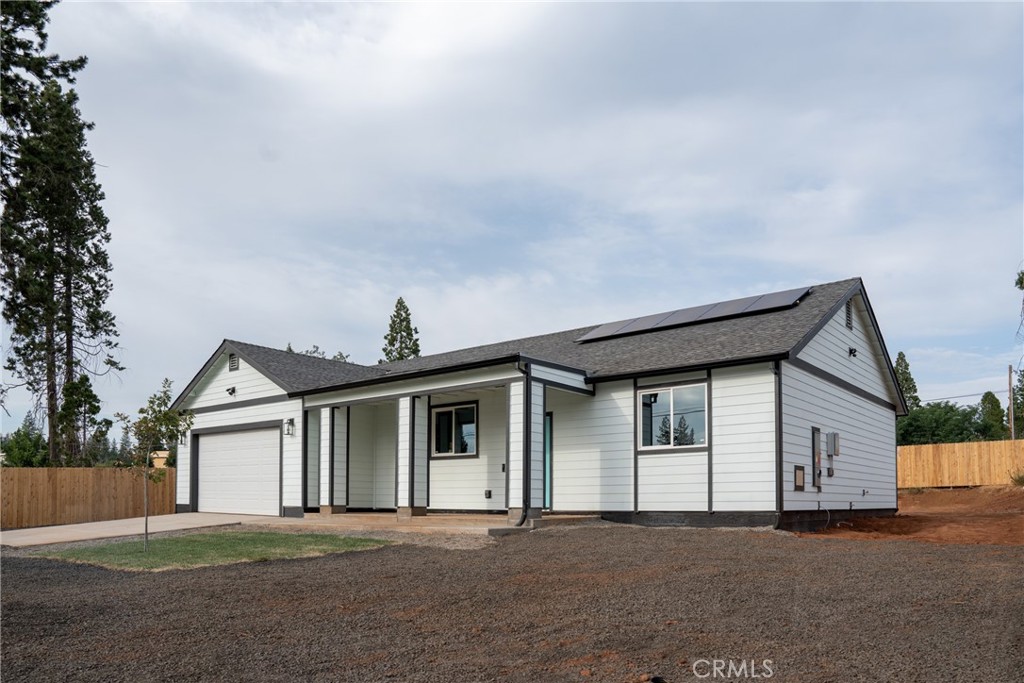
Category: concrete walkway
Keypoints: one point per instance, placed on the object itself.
(115, 528)
(476, 524)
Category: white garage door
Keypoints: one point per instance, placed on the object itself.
(238, 472)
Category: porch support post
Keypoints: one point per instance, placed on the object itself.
(412, 456)
(333, 456)
(526, 449)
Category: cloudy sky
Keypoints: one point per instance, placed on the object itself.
(281, 173)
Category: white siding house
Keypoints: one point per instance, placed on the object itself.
(772, 409)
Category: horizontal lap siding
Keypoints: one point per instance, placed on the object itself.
(385, 450)
(559, 376)
(743, 439)
(340, 455)
(292, 445)
(247, 381)
(867, 459)
(420, 451)
(515, 444)
(673, 482)
(361, 428)
(829, 350)
(313, 458)
(592, 458)
(459, 484)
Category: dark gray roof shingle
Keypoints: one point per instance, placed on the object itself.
(760, 335)
(703, 344)
(297, 372)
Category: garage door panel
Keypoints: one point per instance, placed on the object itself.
(239, 472)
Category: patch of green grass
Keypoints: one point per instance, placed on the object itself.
(206, 549)
(1018, 478)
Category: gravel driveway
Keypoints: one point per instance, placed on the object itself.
(599, 603)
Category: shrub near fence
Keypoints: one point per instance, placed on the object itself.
(42, 496)
(974, 463)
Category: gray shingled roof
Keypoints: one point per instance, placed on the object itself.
(772, 334)
(297, 372)
(734, 340)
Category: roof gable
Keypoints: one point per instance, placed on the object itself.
(755, 336)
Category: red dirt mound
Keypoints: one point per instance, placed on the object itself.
(980, 515)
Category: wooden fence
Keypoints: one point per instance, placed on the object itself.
(976, 463)
(41, 496)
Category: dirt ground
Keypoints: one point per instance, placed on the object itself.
(991, 515)
(604, 602)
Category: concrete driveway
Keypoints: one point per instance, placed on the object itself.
(115, 528)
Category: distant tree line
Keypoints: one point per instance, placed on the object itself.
(27, 447)
(947, 422)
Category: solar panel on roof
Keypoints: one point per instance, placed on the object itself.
(728, 308)
(684, 315)
(606, 330)
(779, 299)
(698, 314)
(645, 323)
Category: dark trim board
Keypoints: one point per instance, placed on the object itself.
(243, 427)
(841, 383)
(193, 457)
(815, 520)
(430, 429)
(777, 371)
(446, 511)
(248, 403)
(692, 519)
(739, 362)
(708, 442)
(565, 387)
(292, 511)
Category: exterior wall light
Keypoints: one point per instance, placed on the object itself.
(289, 426)
(231, 391)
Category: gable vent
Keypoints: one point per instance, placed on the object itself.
(232, 361)
(849, 314)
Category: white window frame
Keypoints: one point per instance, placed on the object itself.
(641, 391)
(451, 408)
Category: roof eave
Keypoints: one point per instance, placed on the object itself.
(694, 367)
(386, 379)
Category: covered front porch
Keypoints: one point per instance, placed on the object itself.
(479, 447)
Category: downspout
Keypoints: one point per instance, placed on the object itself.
(527, 396)
(777, 371)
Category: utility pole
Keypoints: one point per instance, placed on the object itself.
(1013, 434)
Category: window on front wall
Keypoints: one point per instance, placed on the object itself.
(455, 430)
(673, 417)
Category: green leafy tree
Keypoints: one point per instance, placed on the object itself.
(992, 418)
(906, 382)
(940, 422)
(55, 276)
(24, 67)
(157, 423)
(26, 446)
(401, 341)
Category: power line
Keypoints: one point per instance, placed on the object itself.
(979, 393)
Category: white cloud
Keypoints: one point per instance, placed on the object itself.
(282, 172)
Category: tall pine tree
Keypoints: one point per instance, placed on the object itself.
(906, 381)
(24, 68)
(401, 342)
(56, 271)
